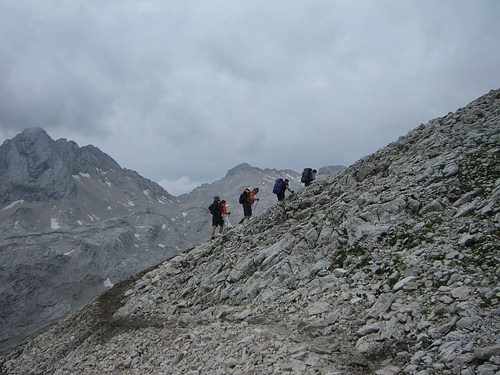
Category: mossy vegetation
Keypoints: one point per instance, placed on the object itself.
(406, 237)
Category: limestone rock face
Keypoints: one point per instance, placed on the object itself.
(49, 184)
(388, 267)
(32, 168)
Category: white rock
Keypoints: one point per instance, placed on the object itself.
(401, 283)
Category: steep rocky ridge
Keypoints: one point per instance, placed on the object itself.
(389, 267)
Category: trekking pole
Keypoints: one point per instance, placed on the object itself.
(255, 206)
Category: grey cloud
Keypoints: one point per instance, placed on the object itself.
(159, 84)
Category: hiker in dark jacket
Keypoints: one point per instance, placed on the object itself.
(308, 176)
(217, 219)
(286, 186)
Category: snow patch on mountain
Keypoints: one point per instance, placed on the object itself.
(9, 206)
(54, 224)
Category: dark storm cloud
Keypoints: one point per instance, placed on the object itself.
(182, 91)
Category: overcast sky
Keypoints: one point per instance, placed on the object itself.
(181, 91)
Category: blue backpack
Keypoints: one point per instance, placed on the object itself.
(279, 186)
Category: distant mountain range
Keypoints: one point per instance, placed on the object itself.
(73, 223)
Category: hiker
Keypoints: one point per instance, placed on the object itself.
(247, 199)
(247, 208)
(217, 219)
(280, 186)
(225, 213)
(308, 176)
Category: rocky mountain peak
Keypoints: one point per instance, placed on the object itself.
(33, 135)
(31, 169)
(46, 181)
(240, 168)
(388, 267)
(34, 148)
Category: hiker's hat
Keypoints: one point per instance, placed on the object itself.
(216, 198)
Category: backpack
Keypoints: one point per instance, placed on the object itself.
(279, 186)
(306, 175)
(243, 196)
(214, 208)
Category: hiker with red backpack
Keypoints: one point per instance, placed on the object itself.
(247, 199)
(225, 213)
(280, 186)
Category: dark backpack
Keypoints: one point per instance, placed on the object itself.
(306, 175)
(279, 186)
(243, 197)
(214, 208)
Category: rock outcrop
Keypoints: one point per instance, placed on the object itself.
(389, 267)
